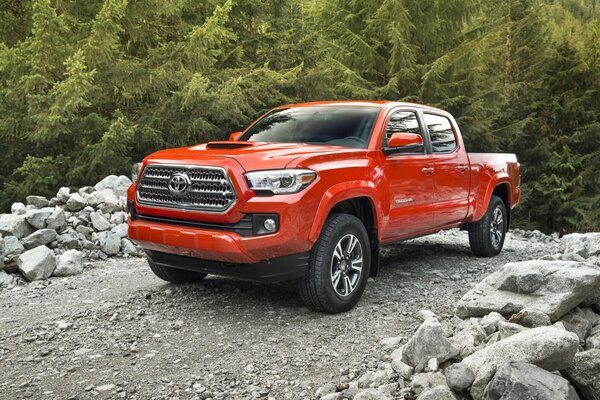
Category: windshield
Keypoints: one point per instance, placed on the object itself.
(348, 126)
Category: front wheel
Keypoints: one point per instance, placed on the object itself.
(486, 236)
(339, 265)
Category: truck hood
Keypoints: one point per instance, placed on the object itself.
(250, 155)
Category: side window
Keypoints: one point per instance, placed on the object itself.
(441, 133)
(403, 121)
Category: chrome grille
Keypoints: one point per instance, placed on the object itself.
(209, 190)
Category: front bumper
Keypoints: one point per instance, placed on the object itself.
(274, 270)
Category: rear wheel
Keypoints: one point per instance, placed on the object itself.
(339, 265)
(486, 236)
(175, 275)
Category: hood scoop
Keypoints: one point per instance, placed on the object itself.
(228, 145)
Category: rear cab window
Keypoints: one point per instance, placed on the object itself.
(441, 133)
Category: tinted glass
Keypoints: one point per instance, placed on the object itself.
(349, 126)
(441, 133)
(404, 121)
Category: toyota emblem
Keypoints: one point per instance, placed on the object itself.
(179, 183)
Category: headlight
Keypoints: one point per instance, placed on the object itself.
(135, 171)
(281, 181)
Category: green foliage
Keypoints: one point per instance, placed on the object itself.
(88, 87)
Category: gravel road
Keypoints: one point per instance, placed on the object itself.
(116, 331)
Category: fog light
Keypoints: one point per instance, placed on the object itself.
(270, 225)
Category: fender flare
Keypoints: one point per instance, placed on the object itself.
(340, 192)
(498, 179)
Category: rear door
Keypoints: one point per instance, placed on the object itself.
(451, 175)
(409, 179)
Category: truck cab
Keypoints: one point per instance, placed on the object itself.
(308, 192)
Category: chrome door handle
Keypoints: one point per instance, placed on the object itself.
(427, 170)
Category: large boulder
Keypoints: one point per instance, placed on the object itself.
(584, 374)
(69, 263)
(14, 225)
(37, 218)
(553, 287)
(519, 381)
(429, 341)
(39, 238)
(37, 263)
(547, 347)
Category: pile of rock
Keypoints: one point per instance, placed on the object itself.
(530, 330)
(52, 237)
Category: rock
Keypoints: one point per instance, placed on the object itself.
(86, 231)
(37, 263)
(588, 314)
(69, 263)
(56, 220)
(95, 199)
(459, 376)
(109, 243)
(85, 190)
(507, 329)
(546, 347)
(127, 247)
(585, 244)
(99, 222)
(12, 246)
(118, 218)
(428, 314)
(111, 202)
(37, 201)
(490, 322)
(423, 381)
(370, 394)
(518, 381)
(584, 374)
(113, 181)
(37, 218)
(593, 340)
(382, 376)
(63, 194)
(121, 232)
(576, 324)
(403, 370)
(469, 340)
(553, 287)
(14, 225)
(68, 240)
(325, 390)
(531, 318)
(429, 341)
(441, 392)
(18, 208)
(76, 202)
(6, 279)
(40, 237)
(106, 388)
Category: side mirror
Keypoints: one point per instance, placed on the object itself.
(235, 136)
(404, 141)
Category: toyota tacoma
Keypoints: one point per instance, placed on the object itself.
(309, 192)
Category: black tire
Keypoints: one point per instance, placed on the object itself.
(175, 275)
(317, 286)
(480, 232)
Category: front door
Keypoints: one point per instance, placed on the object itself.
(410, 180)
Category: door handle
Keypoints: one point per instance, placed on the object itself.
(462, 168)
(427, 170)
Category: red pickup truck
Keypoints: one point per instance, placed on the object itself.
(310, 191)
